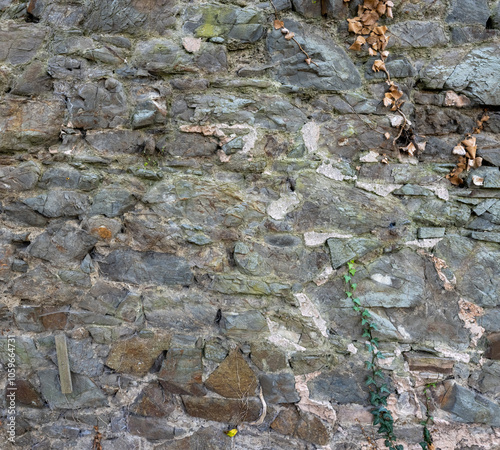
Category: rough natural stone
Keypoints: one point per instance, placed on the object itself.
(62, 245)
(85, 392)
(181, 371)
(137, 354)
(27, 395)
(227, 410)
(342, 250)
(151, 428)
(335, 71)
(20, 178)
(469, 73)
(417, 34)
(26, 122)
(469, 11)
(59, 204)
(68, 178)
(279, 388)
(233, 378)
(146, 267)
(304, 426)
(468, 406)
(493, 350)
(19, 43)
(421, 362)
(153, 401)
(245, 324)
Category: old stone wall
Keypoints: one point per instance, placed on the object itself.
(181, 192)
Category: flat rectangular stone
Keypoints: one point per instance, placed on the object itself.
(430, 232)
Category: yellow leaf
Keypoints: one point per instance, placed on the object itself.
(232, 432)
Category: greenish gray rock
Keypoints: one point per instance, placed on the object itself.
(21, 178)
(59, 204)
(469, 11)
(469, 407)
(112, 201)
(334, 71)
(467, 72)
(430, 232)
(473, 264)
(249, 262)
(62, 245)
(486, 236)
(279, 388)
(417, 34)
(343, 250)
(244, 25)
(146, 267)
(86, 394)
(69, 178)
(338, 386)
(245, 325)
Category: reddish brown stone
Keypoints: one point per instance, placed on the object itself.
(53, 319)
(233, 378)
(268, 359)
(493, 351)
(26, 394)
(150, 428)
(153, 401)
(225, 410)
(421, 362)
(303, 426)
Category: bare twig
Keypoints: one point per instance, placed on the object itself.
(260, 420)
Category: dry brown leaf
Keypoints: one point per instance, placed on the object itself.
(278, 24)
(387, 135)
(372, 52)
(478, 162)
(388, 12)
(369, 18)
(485, 118)
(371, 4)
(388, 101)
(390, 4)
(354, 25)
(410, 148)
(471, 152)
(289, 36)
(358, 43)
(285, 30)
(379, 65)
(380, 30)
(385, 161)
(309, 60)
(469, 142)
(421, 146)
(381, 8)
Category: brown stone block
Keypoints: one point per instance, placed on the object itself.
(222, 409)
(421, 362)
(493, 351)
(137, 354)
(233, 378)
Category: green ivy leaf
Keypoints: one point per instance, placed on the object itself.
(352, 271)
(357, 301)
(356, 308)
(383, 389)
(349, 294)
(369, 381)
(354, 286)
(347, 278)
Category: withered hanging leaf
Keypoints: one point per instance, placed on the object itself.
(478, 181)
(469, 142)
(388, 101)
(309, 60)
(369, 18)
(378, 65)
(410, 148)
(421, 146)
(372, 39)
(380, 30)
(285, 30)
(372, 52)
(485, 118)
(387, 135)
(388, 12)
(381, 8)
(455, 179)
(390, 4)
(385, 54)
(478, 162)
(289, 36)
(471, 152)
(371, 4)
(459, 150)
(278, 24)
(358, 43)
(354, 25)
